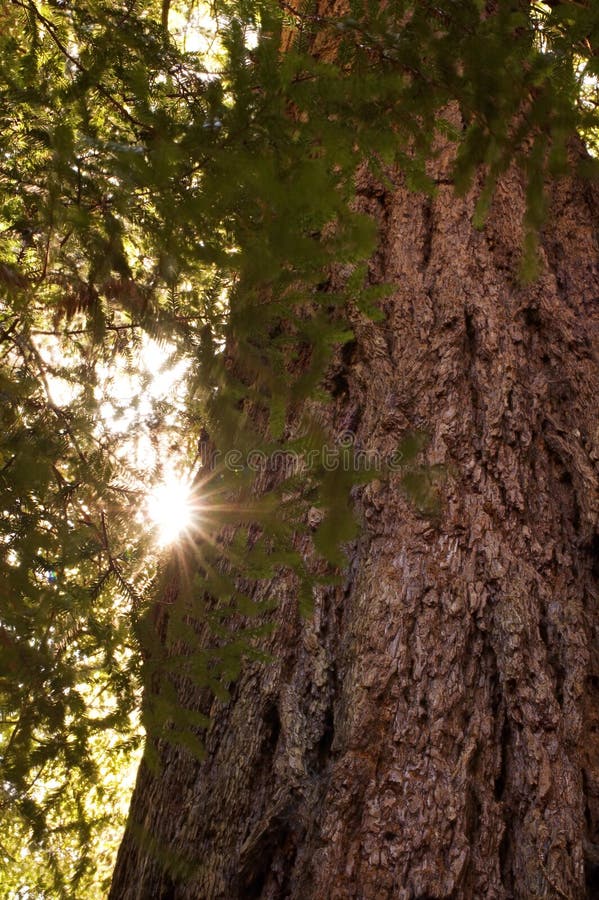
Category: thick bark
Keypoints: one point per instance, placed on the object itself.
(433, 730)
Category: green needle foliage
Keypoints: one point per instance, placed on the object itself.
(145, 190)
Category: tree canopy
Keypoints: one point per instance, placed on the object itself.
(202, 200)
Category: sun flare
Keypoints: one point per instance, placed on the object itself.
(171, 509)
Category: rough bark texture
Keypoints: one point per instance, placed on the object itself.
(433, 730)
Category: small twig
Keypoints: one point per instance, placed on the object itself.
(8, 331)
(166, 5)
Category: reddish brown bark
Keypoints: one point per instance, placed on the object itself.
(433, 730)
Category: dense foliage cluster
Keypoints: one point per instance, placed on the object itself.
(202, 200)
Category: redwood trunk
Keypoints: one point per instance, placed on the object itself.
(433, 730)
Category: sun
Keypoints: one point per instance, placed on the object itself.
(171, 509)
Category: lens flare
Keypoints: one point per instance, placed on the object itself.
(171, 509)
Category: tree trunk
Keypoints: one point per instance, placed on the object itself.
(432, 731)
